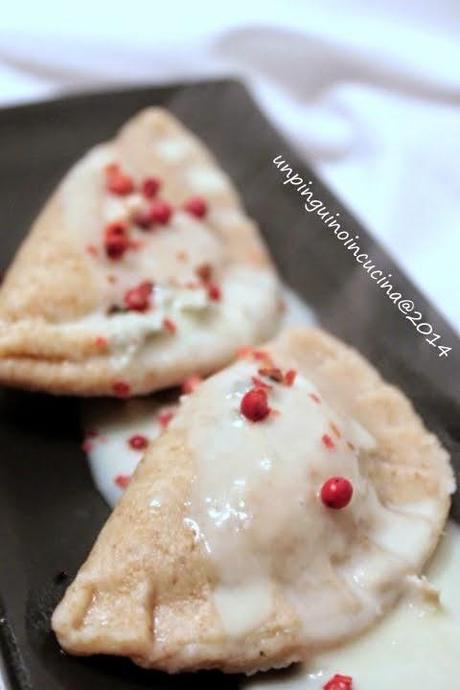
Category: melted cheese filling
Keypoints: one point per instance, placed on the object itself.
(200, 323)
(130, 330)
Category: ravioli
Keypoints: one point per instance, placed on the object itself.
(141, 269)
(282, 511)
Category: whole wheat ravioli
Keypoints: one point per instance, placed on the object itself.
(137, 271)
(161, 585)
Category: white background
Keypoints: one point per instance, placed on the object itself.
(368, 91)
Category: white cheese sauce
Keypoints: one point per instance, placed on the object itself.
(255, 500)
(185, 309)
(109, 426)
(295, 311)
(126, 333)
(417, 645)
(173, 149)
(168, 255)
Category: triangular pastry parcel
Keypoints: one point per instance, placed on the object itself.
(290, 501)
(141, 269)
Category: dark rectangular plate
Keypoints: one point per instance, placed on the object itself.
(50, 512)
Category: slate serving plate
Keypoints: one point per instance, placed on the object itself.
(49, 511)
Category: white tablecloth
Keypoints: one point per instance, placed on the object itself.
(368, 91)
